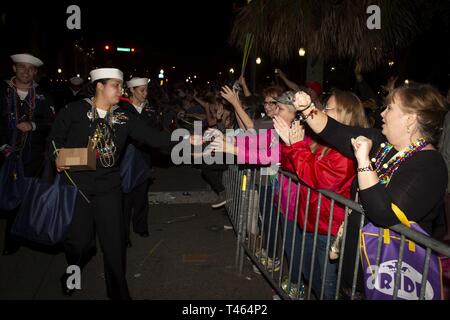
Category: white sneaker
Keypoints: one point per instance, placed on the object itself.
(255, 269)
(220, 201)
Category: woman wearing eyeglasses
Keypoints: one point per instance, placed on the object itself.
(397, 165)
(319, 167)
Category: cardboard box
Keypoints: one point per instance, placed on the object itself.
(78, 159)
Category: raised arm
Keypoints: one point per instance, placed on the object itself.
(244, 86)
(362, 88)
(290, 84)
(334, 133)
(207, 106)
(419, 185)
(233, 98)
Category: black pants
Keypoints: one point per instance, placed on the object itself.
(213, 175)
(103, 215)
(11, 241)
(135, 204)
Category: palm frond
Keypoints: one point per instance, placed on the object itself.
(327, 28)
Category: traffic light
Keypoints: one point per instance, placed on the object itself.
(125, 49)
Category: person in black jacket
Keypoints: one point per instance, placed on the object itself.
(397, 165)
(135, 203)
(100, 211)
(26, 114)
(73, 92)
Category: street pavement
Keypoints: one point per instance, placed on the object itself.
(189, 255)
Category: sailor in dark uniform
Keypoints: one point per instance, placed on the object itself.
(74, 91)
(135, 202)
(100, 119)
(26, 114)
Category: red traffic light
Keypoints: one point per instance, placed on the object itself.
(132, 49)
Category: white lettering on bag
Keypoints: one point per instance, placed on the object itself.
(383, 279)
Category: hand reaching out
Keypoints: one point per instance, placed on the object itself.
(195, 140)
(25, 126)
(282, 128)
(279, 73)
(296, 133)
(390, 85)
(219, 111)
(222, 146)
(242, 81)
(230, 95)
(361, 146)
(302, 100)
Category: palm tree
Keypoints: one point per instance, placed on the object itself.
(328, 28)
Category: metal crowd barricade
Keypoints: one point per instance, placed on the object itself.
(262, 234)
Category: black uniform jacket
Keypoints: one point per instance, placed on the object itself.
(41, 116)
(147, 116)
(74, 125)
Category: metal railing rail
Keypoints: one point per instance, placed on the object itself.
(262, 230)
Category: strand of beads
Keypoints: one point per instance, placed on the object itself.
(386, 170)
(105, 146)
(381, 154)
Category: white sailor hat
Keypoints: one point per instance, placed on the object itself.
(106, 73)
(26, 58)
(137, 82)
(76, 81)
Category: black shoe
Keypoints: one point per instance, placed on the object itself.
(10, 251)
(144, 234)
(65, 290)
(129, 244)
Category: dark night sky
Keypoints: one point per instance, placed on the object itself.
(193, 35)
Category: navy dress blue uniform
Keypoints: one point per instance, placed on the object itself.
(37, 108)
(135, 203)
(103, 215)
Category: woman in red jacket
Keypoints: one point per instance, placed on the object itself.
(319, 167)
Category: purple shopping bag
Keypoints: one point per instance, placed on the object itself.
(379, 280)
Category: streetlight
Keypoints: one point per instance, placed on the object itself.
(59, 70)
(333, 68)
(232, 71)
(301, 52)
(391, 63)
(406, 81)
(258, 60)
